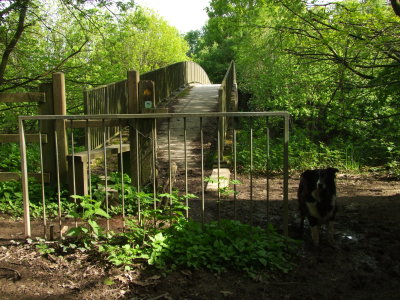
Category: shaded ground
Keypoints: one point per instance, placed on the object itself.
(365, 265)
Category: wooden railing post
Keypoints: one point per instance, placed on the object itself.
(147, 104)
(55, 104)
(60, 108)
(47, 127)
(133, 108)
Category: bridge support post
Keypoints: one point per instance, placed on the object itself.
(55, 104)
(133, 108)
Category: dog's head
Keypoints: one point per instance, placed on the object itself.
(326, 177)
(320, 179)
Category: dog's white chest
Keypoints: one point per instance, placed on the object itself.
(313, 209)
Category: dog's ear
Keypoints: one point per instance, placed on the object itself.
(333, 171)
(309, 174)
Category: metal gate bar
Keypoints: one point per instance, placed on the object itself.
(121, 157)
(153, 137)
(58, 186)
(73, 169)
(42, 178)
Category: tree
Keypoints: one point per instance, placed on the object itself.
(92, 42)
(396, 6)
(30, 33)
(333, 66)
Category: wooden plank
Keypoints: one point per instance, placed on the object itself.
(97, 153)
(22, 97)
(47, 127)
(60, 108)
(222, 182)
(14, 138)
(6, 176)
(96, 123)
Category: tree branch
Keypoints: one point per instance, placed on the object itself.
(11, 46)
(396, 6)
(59, 65)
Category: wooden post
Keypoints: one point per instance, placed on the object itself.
(133, 89)
(47, 127)
(147, 99)
(60, 108)
(133, 108)
(147, 103)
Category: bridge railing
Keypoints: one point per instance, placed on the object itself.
(169, 79)
(227, 100)
(51, 100)
(114, 98)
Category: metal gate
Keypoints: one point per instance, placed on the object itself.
(183, 138)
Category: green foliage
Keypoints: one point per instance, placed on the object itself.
(11, 158)
(165, 239)
(331, 66)
(11, 201)
(222, 246)
(92, 42)
(226, 190)
(44, 248)
(87, 210)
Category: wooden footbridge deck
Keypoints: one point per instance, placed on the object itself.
(196, 98)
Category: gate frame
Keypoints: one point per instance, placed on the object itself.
(24, 175)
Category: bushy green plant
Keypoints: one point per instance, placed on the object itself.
(304, 153)
(222, 246)
(87, 210)
(11, 158)
(165, 239)
(11, 201)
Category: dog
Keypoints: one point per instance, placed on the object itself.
(317, 201)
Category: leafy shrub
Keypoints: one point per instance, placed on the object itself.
(11, 201)
(222, 246)
(304, 153)
(11, 158)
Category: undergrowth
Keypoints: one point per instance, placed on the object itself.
(164, 239)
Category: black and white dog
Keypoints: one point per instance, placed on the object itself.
(317, 200)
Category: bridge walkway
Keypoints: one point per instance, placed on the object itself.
(196, 98)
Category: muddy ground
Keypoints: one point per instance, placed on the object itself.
(364, 265)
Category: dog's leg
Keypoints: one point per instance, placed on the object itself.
(315, 235)
(331, 231)
(301, 224)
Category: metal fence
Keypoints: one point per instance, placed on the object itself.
(188, 137)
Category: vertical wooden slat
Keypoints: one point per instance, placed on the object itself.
(60, 108)
(47, 127)
(133, 108)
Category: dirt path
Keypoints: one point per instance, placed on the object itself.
(364, 265)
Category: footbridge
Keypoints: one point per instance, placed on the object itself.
(169, 129)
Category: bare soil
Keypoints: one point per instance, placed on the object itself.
(365, 264)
